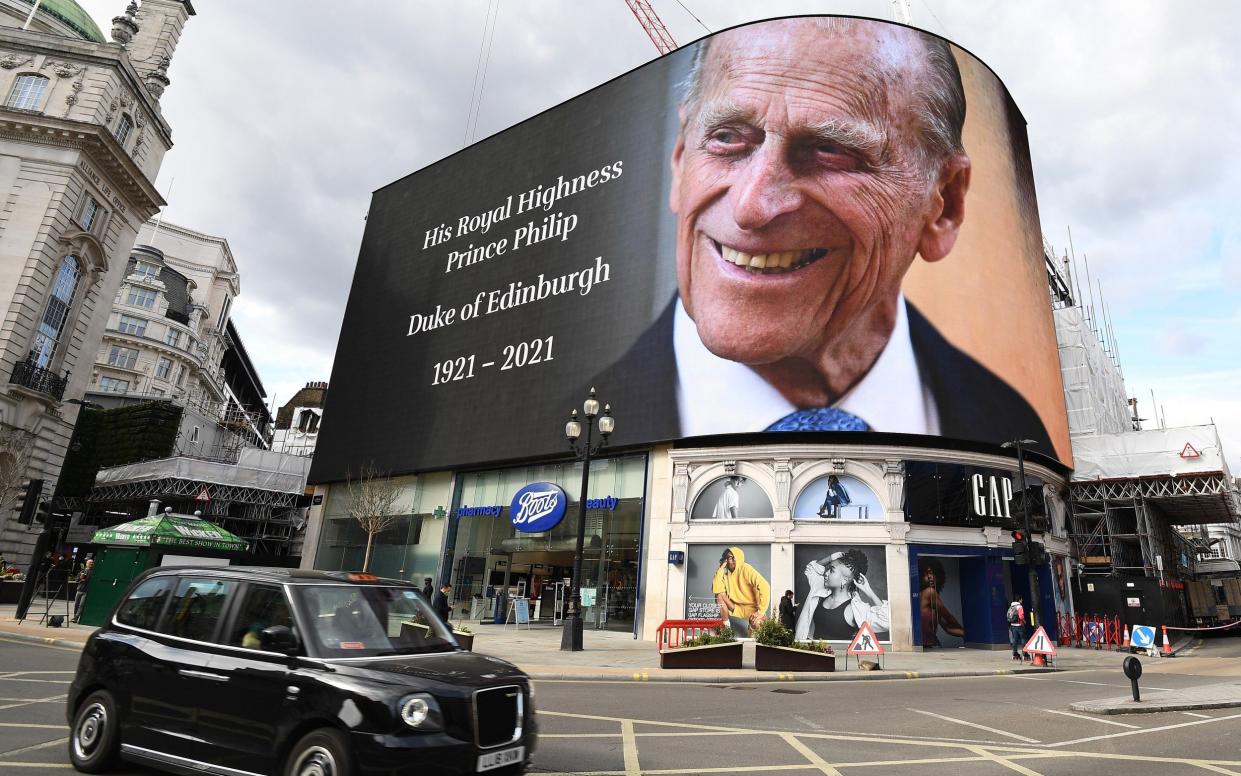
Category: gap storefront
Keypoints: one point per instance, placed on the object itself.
(490, 562)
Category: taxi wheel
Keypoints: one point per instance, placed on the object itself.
(323, 752)
(94, 737)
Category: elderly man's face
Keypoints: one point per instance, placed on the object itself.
(800, 192)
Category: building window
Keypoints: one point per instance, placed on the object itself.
(141, 297)
(52, 325)
(172, 337)
(122, 357)
(146, 270)
(163, 368)
(27, 92)
(157, 391)
(308, 422)
(90, 211)
(181, 376)
(113, 385)
(123, 128)
(194, 436)
(228, 303)
(132, 325)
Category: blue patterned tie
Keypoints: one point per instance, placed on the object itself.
(819, 419)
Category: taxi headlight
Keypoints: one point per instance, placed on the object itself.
(421, 712)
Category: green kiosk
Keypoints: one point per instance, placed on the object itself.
(131, 548)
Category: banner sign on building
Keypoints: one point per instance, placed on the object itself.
(538, 507)
(606, 242)
(960, 495)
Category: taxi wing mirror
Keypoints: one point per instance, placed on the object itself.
(279, 638)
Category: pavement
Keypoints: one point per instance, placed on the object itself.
(612, 656)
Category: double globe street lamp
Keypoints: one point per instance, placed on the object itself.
(571, 638)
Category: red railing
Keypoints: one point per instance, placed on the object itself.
(673, 633)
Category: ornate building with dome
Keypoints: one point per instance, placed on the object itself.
(82, 138)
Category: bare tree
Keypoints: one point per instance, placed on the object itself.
(16, 445)
(372, 502)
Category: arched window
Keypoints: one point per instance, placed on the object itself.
(27, 92)
(123, 128)
(52, 324)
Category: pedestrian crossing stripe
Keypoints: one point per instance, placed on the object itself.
(1040, 644)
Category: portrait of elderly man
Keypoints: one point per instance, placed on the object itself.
(817, 160)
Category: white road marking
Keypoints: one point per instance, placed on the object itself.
(29, 701)
(976, 725)
(629, 746)
(807, 722)
(1079, 681)
(1146, 730)
(1196, 714)
(811, 755)
(1093, 719)
(33, 747)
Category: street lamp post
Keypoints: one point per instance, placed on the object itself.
(1025, 518)
(571, 637)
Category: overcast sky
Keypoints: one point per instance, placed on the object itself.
(287, 114)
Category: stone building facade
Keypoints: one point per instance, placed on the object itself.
(82, 138)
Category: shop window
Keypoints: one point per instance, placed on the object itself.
(837, 497)
(27, 92)
(732, 498)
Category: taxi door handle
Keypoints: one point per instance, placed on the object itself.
(202, 675)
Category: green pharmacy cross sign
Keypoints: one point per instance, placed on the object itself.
(169, 530)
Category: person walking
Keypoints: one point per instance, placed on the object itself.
(83, 580)
(440, 603)
(1016, 617)
(788, 611)
(427, 590)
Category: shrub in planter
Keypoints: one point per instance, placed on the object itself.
(464, 637)
(776, 650)
(710, 650)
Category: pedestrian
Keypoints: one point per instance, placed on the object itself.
(427, 590)
(83, 581)
(788, 610)
(440, 602)
(1016, 617)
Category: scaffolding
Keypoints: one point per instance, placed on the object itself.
(260, 498)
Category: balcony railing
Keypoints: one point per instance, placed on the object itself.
(28, 374)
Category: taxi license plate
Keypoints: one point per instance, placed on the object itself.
(487, 762)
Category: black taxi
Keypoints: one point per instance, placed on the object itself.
(238, 671)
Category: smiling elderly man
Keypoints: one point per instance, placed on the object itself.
(817, 157)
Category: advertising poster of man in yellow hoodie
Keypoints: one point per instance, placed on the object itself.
(729, 582)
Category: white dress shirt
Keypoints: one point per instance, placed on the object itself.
(718, 396)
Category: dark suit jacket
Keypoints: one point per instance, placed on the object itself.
(973, 403)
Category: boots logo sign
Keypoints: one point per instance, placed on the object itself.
(539, 506)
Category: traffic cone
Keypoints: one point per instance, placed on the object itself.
(1125, 645)
(1167, 646)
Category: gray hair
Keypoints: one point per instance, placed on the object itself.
(941, 97)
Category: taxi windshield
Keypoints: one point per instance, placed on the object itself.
(371, 621)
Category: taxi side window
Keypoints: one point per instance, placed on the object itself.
(261, 607)
(196, 608)
(143, 606)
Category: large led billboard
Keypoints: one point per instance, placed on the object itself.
(805, 224)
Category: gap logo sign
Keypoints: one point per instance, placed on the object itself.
(540, 506)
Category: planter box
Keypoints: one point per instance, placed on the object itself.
(711, 656)
(767, 658)
(466, 640)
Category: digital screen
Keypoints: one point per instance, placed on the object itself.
(805, 224)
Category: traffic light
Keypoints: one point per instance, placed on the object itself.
(1021, 548)
(45, 513)
(28, 501)
(1038, 553)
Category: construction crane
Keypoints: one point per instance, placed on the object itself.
(651, 22)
